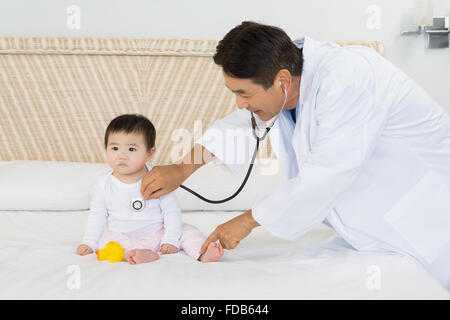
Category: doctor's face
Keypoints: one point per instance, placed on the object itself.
(264, 103)
(127, 152)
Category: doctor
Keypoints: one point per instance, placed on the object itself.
(365, 149)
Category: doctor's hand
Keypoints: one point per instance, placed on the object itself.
(232, 232)
(161, 180)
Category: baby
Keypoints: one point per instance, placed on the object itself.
(142, 227)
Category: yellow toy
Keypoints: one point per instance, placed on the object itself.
(112, 252)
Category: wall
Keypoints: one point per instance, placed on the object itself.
(320, 19)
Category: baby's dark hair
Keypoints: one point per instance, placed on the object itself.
(132, 123)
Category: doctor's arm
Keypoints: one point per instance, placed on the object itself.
(348, 127)
(217, 143)
(164, 179)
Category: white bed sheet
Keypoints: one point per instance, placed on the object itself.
(37, 250)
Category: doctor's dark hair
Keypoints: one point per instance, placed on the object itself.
(258, 52)
(132, 123)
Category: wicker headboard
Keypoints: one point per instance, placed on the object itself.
(57, 95)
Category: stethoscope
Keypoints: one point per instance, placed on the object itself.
(258, 139)
(138, 204)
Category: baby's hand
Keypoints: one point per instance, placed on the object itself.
(84, 249)
(168, 248)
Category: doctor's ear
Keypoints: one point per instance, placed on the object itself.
(283, 79)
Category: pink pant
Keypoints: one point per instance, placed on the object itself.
(190, 242)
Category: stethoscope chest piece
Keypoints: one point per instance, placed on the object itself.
(137, 204)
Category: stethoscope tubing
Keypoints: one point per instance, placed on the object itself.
(258, 139)
(240, 188)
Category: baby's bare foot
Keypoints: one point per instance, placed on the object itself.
(137, 256)
(212, 253)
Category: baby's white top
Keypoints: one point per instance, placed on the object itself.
(111, 207)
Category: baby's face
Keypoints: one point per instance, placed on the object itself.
(127, 152)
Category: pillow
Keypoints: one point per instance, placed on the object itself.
(68, 186)
(47, 185)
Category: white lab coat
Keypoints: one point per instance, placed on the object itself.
(369, 156)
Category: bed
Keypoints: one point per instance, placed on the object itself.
(57, 96)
